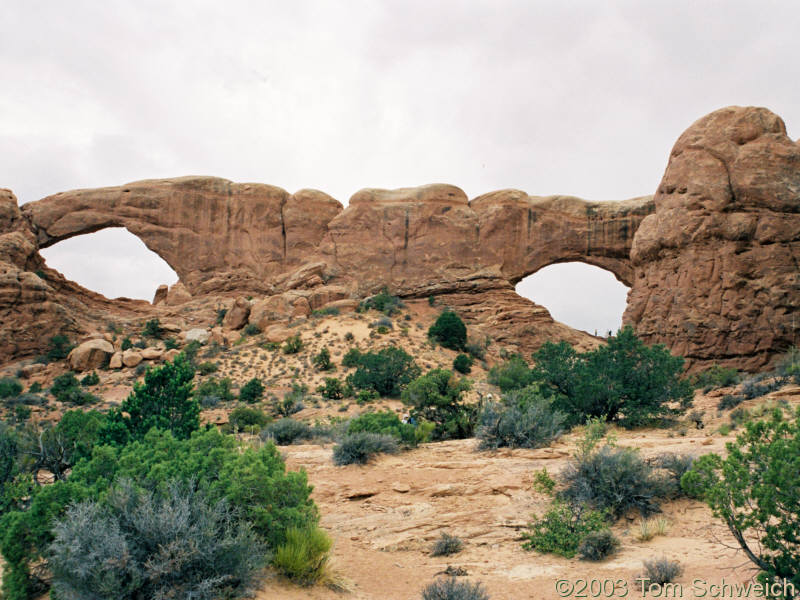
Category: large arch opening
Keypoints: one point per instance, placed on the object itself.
(579, 295)
(113, 262)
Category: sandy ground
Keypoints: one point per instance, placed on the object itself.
(385, 516)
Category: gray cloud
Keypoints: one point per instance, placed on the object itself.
(577, 97)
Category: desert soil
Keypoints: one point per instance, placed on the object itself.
(385, 516)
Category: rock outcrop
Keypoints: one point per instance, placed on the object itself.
(717, 271)
(711, 260)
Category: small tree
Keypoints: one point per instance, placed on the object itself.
(449, 330)
(387, 371)
(332, 388)
(624, 381)
(436, 397)
(152, 329)
(252, 390)
(323, 360)
(463, 363)
(293, 345)
(163, 400)
(60, 347)
(513, 374)
(755, 490)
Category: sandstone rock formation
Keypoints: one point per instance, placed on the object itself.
(711, 261)
(717, 267)
(90, 355)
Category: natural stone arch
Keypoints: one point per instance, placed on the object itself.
(82, 259)
(216, 234)
(573, 290)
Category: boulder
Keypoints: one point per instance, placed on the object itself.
(237, 315)
(152, 353)
(90, 355)
(277, 333)
(161, 294)
(177, 294)
(116, 361)
(197, 335)
(131, 358)
(29, 371)
(170, 355)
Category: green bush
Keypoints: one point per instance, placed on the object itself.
(352, 358)
(322, 360)
(366, 396)
(252, 391)
(127, 344)
(145, 545)
(152, 329)
(477, 350)
(659, 571)
(59, 347)
(462, 363)
(303, 557)
(760, 385)
(514, 374)
(452, 589)
(623, 381)
(164, 400)
(386, 423)
(359, 448)
(251, 329)
(436, 397)
(253, 481)
(66, 389)
(382, 302)
(387, 371)
(287, 431)
(57, 448)
(615, 480)
(9, 462)
(244, 416)
(562, 529)
(788, 366)
(10, 387)
(332, 388)
(715, 377)
(206, 368)
(730, 401)
(90, 379)
(171, 344)
(212, 391)
(525, 419)
(598, 545)
(676, 466)
(446, 545)
(755, 490)
(449, 330)
(293, 345)
(331, 311)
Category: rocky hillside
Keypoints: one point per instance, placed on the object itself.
(711, 258)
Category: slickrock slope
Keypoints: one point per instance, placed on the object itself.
(717, 276)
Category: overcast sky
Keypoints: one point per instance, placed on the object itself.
(582, 98)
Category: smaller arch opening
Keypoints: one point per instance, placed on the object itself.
(112, 262)
(579, 295)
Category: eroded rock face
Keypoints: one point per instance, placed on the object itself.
(716, 268)
(712, 260)
(216, 234)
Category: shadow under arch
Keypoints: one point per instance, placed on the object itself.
(578, 294)
(111, 261)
